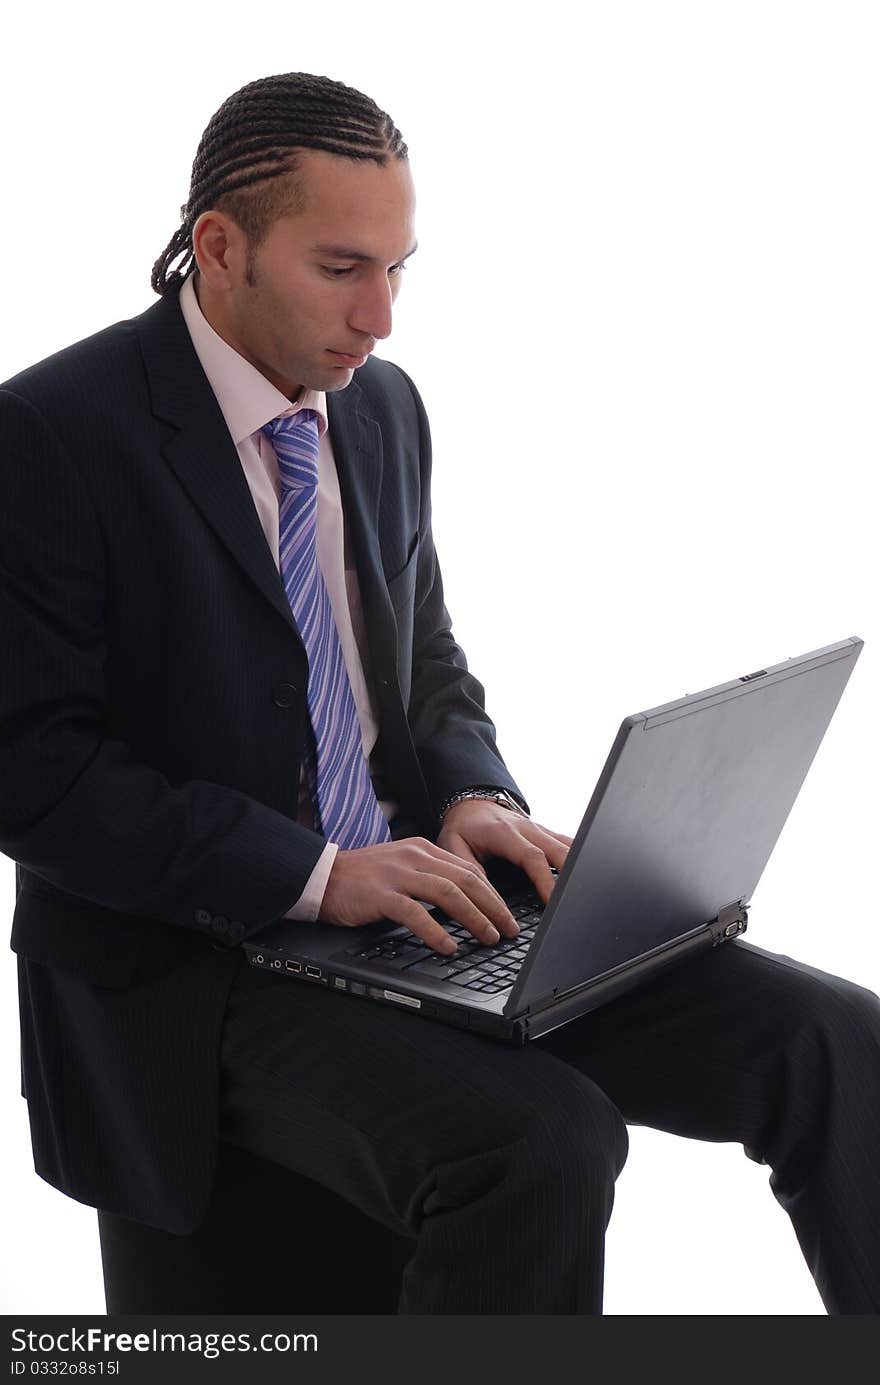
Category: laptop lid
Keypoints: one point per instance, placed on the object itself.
(683, 819)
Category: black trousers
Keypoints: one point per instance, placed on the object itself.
(500, 1162)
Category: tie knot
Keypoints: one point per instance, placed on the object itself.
(295, 439)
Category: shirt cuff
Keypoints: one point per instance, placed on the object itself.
(305, 910)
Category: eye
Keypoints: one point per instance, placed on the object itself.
(336, 273)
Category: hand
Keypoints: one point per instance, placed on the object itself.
(388, 880)
(478, 828)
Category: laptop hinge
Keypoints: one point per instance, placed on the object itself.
(732, 919)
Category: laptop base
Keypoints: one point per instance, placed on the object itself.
(535, 1020)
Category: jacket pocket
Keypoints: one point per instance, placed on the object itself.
(402, 585)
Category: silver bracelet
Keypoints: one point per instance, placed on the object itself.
(500, 796)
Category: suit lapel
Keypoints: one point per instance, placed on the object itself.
(357, 449)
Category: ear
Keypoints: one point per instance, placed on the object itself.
(219, 247)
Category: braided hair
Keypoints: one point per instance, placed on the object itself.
(247, 160)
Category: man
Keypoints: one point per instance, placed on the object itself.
(233, 694)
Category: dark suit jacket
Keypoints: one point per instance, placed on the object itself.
(152, 710)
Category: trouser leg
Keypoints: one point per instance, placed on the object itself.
(498, 1162)
(439, 1133)
(745, 1045)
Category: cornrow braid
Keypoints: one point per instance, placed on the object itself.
(247, 158)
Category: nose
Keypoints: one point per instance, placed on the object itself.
(371, 313)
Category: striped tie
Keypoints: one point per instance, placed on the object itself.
(347, 809)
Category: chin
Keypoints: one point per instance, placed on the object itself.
(337, 379)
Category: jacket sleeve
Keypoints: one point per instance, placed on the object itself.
(453, 735)
(77, 807)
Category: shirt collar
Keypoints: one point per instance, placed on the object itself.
(247, 399)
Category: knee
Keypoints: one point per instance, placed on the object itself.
(834, 1046)
(855, 1034)
(576, 1129)
(562, 1146)
(827, 1077)
(848, 1018)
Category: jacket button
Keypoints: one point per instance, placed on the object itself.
(284, 695)
(202, 916)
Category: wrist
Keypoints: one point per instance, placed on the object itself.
(502, 797)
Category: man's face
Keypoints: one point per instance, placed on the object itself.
(298, 300)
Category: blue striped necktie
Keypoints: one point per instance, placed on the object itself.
(345, 802)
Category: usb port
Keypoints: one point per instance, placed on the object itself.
(293, 966)
(313, 971)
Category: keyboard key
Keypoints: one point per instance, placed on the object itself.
(406, 958)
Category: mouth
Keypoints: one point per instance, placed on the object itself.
(351, 361)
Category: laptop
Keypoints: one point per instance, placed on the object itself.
(681, 824)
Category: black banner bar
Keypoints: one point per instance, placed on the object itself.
(459, 1349)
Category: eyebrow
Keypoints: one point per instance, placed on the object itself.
(342, 252)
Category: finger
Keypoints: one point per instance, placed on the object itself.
(459, 847)
(554, 845)
(497, 907)
(532, 858)
(425, 856)
(560, 836)
(470, 900)
(400, 908)
(464, 856)
(506, 836)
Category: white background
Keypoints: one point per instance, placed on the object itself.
(644, 321)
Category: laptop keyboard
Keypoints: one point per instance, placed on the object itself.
(485, 967)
